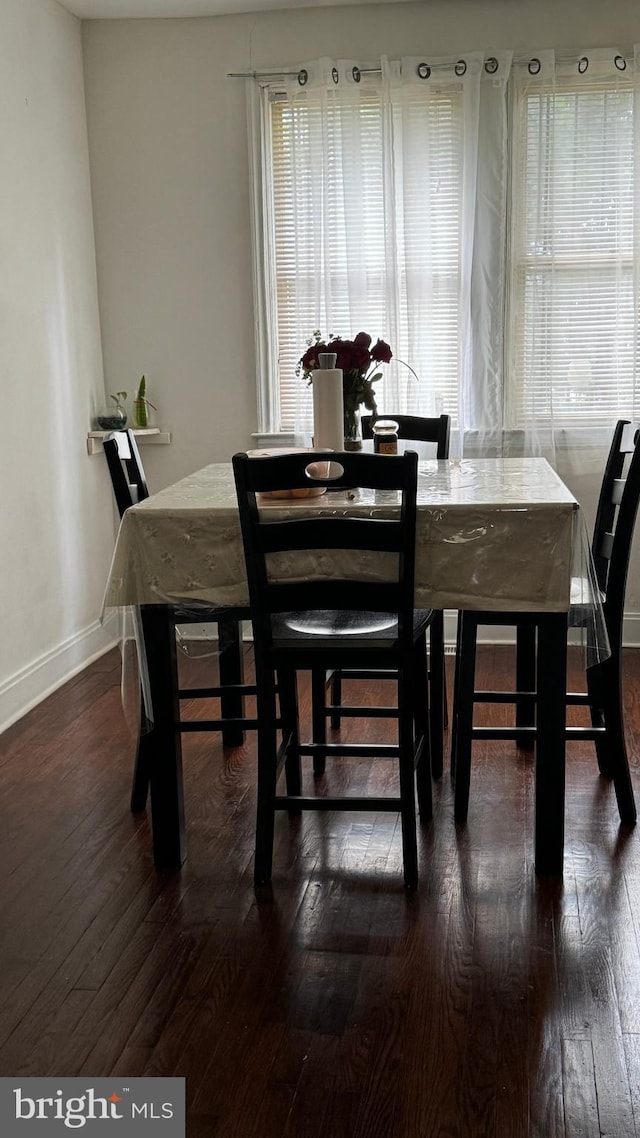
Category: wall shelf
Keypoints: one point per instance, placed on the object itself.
(154, 435)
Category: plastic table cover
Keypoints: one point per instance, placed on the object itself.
(497, 534)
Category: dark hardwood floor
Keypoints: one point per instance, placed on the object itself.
(486, 1004)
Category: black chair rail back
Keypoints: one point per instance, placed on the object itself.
(611, 550)
(614, 525)
(264, 534)
(130, 488)
(414, 429)
(306, 624)
(126, 470)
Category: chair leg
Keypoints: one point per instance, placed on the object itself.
(288, 698)
(456, 687)
(525, 682)
(445, 701)
(437, 701)
(612, 756)
(231, 665)
(267, 776)
(336, 699)
(406, 705)
(318, 716)
(142, 765)
(595, 682)
(463, 710)
(422, 720)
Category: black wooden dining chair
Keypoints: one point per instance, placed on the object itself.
(326, 621)
(130, 487)
(611, 549)
(422, 429)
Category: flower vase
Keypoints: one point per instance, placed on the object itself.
(352, 430)
(112, 419)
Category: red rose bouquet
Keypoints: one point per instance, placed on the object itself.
(359, 363)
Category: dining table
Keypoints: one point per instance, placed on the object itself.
(497, 534)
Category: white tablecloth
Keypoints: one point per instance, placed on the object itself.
(497, 534)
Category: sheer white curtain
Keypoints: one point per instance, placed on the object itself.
(431, 117)
(479, 213)
(380, 177)
(328, 208)
(572, 326)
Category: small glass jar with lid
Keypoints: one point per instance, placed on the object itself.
(385, 436)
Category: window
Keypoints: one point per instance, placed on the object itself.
(572, 352)
(483, 226)
(360, 241)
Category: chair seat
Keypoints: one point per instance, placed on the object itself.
(333, 625)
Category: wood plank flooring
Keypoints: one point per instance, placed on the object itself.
(488, 1004)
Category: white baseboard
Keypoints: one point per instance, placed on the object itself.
(33, 683)
(631, 630)
(490, 634)
(495, 634)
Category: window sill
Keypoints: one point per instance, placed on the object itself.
(267, 439)
(155, 435)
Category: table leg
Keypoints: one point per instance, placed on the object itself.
(551, 742)
(167, 802)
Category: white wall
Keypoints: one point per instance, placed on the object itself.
(56, 517)
(168, 146)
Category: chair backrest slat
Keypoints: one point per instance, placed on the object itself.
(383, 535)
(416, 428)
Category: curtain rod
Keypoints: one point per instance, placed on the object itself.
(288, 74)
(491, 64)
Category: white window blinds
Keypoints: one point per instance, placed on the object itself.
(571, 358)
(363, 208)
(482, 222)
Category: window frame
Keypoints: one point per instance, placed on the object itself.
(586, 425)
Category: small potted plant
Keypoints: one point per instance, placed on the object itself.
(141, 406)
(113, 418)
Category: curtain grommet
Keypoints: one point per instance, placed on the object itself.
(356, 74)
(534, 66)
(583, 64)
(423, 71)
(620, 62)
(491, 65)
(460, 68)
(303, 76)
(334, 75)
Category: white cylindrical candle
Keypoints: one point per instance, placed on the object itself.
(328, 409)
